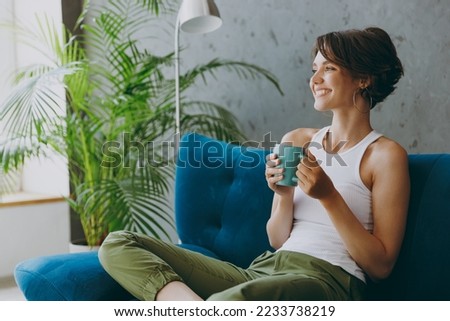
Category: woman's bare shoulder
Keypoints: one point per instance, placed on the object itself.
(299, 136)
(386, 151)
(384, 161)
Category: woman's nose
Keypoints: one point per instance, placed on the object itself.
(314, 80)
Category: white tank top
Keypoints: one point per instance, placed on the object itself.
(313, 233)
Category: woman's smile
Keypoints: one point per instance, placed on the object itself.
(321, 92)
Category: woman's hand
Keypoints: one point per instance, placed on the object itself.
(312, 179)
(279, 225)
(274, 175)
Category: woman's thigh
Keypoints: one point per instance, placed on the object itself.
(294, 276)
(278, 288)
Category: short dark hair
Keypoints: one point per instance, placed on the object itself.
(366, 54)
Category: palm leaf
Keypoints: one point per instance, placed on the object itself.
(211, 119)
(16, 149)
(242, 69)
(8, 181)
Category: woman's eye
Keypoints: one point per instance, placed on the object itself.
(314, 71)
(329, 68)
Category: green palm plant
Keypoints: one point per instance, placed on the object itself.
(110, 113)
(8, 182)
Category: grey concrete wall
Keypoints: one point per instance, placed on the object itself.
(278, 35)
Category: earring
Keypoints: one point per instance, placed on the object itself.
(362, 89)
(366, 92)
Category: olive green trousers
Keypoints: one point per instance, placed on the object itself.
(143, 265)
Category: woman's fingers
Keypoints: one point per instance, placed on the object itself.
(273, 173)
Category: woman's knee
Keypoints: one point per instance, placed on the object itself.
(112, 247)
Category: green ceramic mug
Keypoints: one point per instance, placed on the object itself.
(290, 157)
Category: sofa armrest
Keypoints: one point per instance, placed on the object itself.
(67, 277)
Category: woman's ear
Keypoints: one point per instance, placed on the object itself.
(365, 82)
(362, 83)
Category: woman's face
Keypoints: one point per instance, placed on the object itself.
(332, 86)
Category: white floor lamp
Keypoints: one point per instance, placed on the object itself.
(194, 16)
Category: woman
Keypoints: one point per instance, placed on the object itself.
(350, 210)
(344, 221)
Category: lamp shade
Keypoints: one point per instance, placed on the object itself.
(199, 16)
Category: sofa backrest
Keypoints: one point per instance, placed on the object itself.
(422, 269)
(222, 199)
(223, 203)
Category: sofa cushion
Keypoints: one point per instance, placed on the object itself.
(67, 277)
(222, 201)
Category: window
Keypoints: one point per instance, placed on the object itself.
(43, 176)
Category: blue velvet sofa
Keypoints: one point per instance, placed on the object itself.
(222, 203)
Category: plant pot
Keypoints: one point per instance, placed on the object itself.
(77, 246)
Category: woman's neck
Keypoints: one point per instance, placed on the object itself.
(346, 131)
